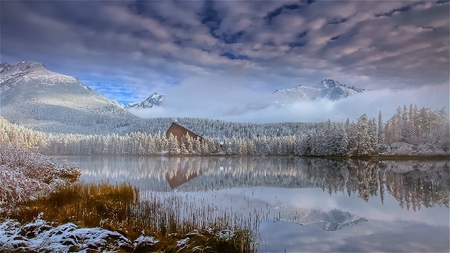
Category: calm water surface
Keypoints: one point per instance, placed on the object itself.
(305, 205)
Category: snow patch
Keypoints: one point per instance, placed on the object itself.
(41, 236)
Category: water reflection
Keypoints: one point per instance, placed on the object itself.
(370, 206)
(413, 183)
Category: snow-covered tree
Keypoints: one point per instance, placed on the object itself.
(363, 143)
(172, 145)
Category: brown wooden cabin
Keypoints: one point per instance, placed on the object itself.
(178, 131)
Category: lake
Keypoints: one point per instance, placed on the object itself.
(302, 204)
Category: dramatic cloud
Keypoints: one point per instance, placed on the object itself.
(129, 49)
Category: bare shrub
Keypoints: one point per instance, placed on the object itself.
(24, 175)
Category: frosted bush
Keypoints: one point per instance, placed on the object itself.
(23, 174)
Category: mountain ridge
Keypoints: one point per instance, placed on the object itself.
(33, 96)
(327, 88)
(154, 99)
(30, 70)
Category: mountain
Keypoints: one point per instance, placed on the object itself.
(33, 96)
(327, 88)
(153, 100)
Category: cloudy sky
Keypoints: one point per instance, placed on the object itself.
(216, 54)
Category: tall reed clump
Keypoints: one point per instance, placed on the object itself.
(119, 208)
(87, 205)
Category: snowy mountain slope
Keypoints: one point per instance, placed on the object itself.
(327, 88)
(35, 97)
(153, 100)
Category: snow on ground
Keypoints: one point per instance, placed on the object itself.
(41, 236)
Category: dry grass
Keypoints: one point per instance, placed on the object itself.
(118, 208)
(25, 176)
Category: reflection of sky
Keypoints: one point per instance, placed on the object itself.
(372, 236)
(389, 228)
(372, 210)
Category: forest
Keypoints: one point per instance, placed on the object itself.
(409, 132)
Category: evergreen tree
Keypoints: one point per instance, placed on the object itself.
(205, 148)
(183, 149)
(251, 147)
(363, 141)
(350, 131)
(198, 146)
(172, 144)
(380, 129)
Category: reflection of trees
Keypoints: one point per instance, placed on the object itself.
(368, 179)
(350, 176)
(417, 188)
(413, 183)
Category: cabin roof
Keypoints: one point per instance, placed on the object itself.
(175, 126)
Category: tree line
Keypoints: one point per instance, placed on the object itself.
(410, 131)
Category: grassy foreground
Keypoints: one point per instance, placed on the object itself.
(118, 208)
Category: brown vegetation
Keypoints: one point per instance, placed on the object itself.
(118, 208)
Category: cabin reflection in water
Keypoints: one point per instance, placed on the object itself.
(413, 183)
(180, 177)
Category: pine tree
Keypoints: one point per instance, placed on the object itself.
(172, 144)
(380, 129)
(363, 141)
(205, 148)
(251, 147)
(404, 125)
(350, 131)
(372, 131)
(183, 149)
(198, 146)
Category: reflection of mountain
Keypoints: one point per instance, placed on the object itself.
(330, 221)
(412, 183)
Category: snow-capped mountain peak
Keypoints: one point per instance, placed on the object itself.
(327, 84)
(23, 66)
(30, 71)
(47, 101)
(327, 88)
(153, 100)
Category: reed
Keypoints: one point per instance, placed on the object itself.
(176, 222)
